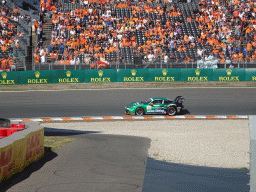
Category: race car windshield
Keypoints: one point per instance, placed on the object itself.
(147, 102)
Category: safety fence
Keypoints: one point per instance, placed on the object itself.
(116, 65)
(125, 75)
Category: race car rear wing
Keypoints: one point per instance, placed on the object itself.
(179, 99)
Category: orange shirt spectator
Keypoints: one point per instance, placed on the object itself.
(3, 62)
(240, 56)
(235, 57)
(253, 56)
(53, 9)
(249, 46)
(37, 59)
(187, 59)
(4, 48)
(184, 48)
(222, 61)
(15, 10)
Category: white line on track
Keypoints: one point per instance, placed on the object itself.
(57, 119)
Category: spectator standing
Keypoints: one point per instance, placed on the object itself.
(166, 59)
(62, 48)
(40, 43)
(228, 61)
(121, 59)
(200, 52)
(50, 48)
(39, 33)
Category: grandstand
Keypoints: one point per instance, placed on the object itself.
(99, 34)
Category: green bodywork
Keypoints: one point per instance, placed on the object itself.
(159, 106)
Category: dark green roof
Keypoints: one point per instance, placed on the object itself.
(162, 98)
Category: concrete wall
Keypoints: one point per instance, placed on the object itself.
(20, 149)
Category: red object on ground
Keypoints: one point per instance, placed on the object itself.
(17, 125)
(7, 131)
(2, 132)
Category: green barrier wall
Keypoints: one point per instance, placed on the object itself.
(132, 75)
(125, 75)
(36, 77)
(250, 75)
(71, 76)
(164, 75)
(100, 76)
(229, 75)
(9, 78)
(196, 74)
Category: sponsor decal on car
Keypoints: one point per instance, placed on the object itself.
(159, 111)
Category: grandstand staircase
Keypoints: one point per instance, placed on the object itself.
(47, 31)
(189, 28)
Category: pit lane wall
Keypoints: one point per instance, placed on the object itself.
(125, 75)
(20, 149)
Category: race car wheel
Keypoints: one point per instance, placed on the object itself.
(139, 111)
(171, 111)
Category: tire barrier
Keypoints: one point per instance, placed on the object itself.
(20, 148)
(126, 75)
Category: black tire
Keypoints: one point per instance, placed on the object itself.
(139, 111)
(171, 111)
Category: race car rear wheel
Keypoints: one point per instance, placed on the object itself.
(171, 111)
(139, 111)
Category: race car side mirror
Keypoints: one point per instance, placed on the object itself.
(151, 104)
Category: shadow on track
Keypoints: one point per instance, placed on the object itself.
(64, 132)
(37, 165)
(163, 176)
(184, 112)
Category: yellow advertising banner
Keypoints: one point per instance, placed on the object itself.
(34, 146)
(16, 156)
(19, 147)
(6, 162)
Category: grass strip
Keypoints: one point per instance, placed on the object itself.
(125, 85)
(55, 143)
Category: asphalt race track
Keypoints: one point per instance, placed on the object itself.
(111, 102)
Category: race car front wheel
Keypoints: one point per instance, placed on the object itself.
(139, 111)
(171, 111)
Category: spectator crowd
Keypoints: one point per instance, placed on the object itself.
(9, 36)
(226, 32)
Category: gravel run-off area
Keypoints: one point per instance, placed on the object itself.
(212, 143)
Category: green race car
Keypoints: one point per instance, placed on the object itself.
(156, 105)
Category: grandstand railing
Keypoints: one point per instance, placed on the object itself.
(117, 65)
